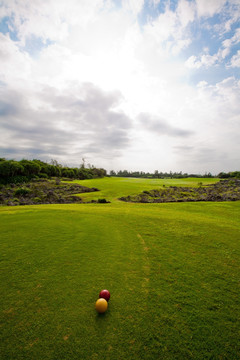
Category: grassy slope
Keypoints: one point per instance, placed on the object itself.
(172, 269)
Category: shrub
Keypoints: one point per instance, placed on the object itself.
(102, 201)
(22, 191)
(19, 179)
(58, 181)
(43, 176)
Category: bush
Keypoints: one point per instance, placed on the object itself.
(30, 168)
(43, 176)
(22, 192)
(102, 201)
(14, 180)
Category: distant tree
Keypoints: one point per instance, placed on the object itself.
(83, 163)
(25, 170)
(235, 174)
(31, 168)
(99, 172)
(67, 172)
(55, 163)
(223, 175)
(54, 170)
(10, 168)
(84, 174)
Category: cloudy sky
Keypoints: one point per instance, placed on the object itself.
(126, 84)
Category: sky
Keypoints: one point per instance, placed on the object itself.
(123, 84)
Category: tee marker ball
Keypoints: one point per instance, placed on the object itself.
(101, 305)
(105, 294)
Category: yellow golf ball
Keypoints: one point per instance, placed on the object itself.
(101, 305)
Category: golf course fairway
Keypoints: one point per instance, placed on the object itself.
(172, 270)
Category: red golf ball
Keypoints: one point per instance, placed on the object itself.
(105, 294)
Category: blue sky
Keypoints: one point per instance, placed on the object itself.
(140, 85)
(7, 27)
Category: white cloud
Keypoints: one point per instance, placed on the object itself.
(228, 43)
(162, 27)
(15, 65)
(206, 60)
(179, 45)
(135, 6)
(49, 19)
(214, 110)
(193, 63)
(186, 12)
(168, 30)
(235, 60)
(209, 7)
(230, 14)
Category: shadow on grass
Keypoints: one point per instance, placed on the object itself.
(101, 318)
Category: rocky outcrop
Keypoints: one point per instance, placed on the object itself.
(225, 190)
(42, 192)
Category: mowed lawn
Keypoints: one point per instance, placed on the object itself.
(172, 270)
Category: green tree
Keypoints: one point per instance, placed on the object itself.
(10, 168)
(31, 168)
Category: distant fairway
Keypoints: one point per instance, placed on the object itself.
(113, 188)
(172, 270)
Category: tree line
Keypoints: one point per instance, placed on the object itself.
(232, 174)
(12, 171)
(157, 174)
(172, 175)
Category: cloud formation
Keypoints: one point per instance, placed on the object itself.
(161, 127)
(77, 122)
(224, 50)
(235, 60)
(130, 84)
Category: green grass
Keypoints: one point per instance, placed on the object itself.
(113, 188)
(172, 270)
